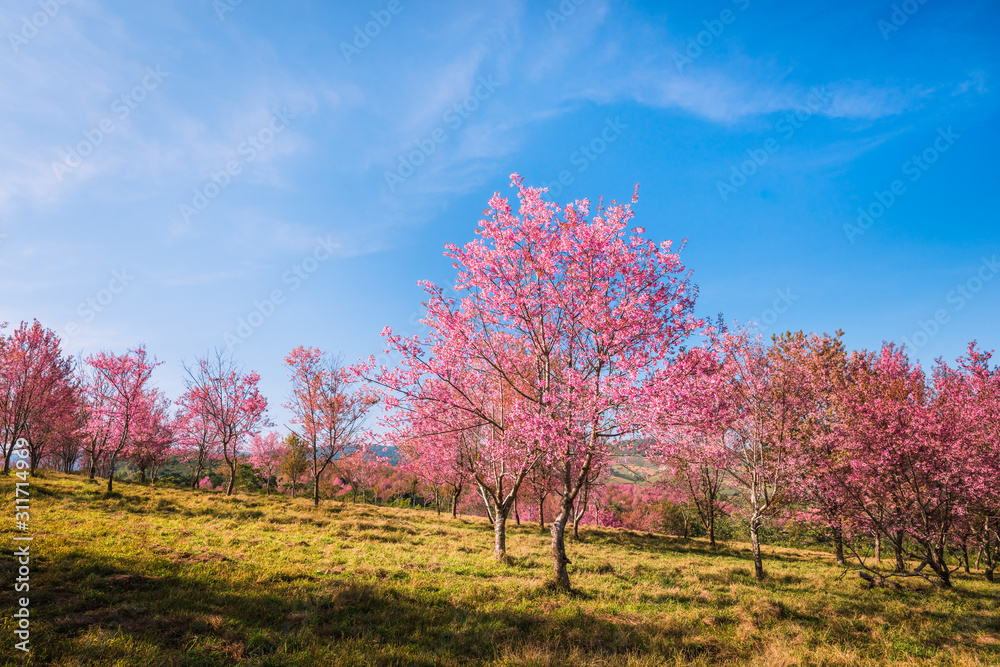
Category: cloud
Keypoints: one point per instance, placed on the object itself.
(864, 101)
(976, 82)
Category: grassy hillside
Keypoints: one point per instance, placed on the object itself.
(168, 577)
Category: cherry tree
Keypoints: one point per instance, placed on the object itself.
(38, 394)
(975, 387)
(569, 314)
(436, 454)
(883, 421)
(125, 404)
(327, 406)
(56, 421)
(538, 486)
(67, 441)
(911, 473)
(752, 396)
(818, 461)
(695, 463)
(467, 411)
(98, 427)
(154, 437)
(768, 399)
(267, 452)
(229, 403)
(195, 443)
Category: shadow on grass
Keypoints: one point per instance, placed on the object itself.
(91, 610)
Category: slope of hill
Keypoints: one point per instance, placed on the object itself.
(158, 576)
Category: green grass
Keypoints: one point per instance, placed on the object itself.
(170, 577)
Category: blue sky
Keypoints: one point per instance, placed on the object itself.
(169, 169)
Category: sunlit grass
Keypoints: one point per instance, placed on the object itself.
(169, 577)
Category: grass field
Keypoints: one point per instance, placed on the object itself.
(169, 577)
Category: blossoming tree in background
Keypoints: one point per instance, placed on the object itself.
(229, 403)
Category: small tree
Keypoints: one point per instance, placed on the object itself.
(329, 410)
(695, 467)
(152, 446)
(249, 477)
(267, 452)
(195, 445)
(750, 401)
(296, 459)
(229, 403)
(128, 403)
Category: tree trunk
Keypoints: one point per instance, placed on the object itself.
(232, 479)
(988, 549)
(578, 512)
(711, 529)
(93, 469)
(878, 547)
(490, 513)
(965, 557)
(316, 491)
(897, 548)
(517, 515)
(541, 512)
(111, 477)
(758, 565)
(500, 534)
(559, 560)
(838, 545)
(935, 558)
